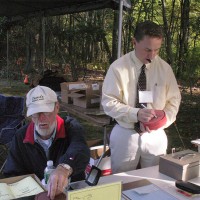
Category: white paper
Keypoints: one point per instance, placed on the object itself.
(25, 187)
(148, 192)
(146, 189)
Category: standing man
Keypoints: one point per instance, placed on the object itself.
(130, 146)
(48, 137)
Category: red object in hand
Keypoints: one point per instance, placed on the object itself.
(156, 123)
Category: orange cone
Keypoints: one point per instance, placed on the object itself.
(26, 80)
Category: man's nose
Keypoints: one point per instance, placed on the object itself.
(41, 115)
(152, 54)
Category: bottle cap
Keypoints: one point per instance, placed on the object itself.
(50, 163)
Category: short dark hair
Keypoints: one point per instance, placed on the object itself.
(148, 28)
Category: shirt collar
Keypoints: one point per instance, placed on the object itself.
(137, 62)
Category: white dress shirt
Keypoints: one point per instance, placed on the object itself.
(120, 85)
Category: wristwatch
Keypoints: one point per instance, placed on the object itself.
(67, 167)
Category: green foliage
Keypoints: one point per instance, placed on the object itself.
(13, 88)
(192, 69)
(88, 39)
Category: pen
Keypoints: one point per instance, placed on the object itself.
(146, 107)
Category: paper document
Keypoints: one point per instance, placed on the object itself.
(25, 187)
(147, 192)
(110, 191)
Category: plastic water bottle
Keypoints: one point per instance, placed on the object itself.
(48, 170)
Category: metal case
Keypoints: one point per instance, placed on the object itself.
(183, 165)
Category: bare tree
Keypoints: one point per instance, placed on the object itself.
(167, 26)
(183, 36)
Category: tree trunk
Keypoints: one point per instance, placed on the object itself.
(183, 37)
(167, 33)
(28, 52)
(115, 36)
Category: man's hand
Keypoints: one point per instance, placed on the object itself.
(144, 129)
(58, 180)
(145, 115)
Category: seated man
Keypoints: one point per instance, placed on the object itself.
(48, 137)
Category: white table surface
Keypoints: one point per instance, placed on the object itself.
(153, 175)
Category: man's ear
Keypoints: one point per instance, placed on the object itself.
(134, 41)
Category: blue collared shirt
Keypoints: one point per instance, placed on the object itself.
(44, 143)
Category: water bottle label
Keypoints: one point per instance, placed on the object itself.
(46, 177)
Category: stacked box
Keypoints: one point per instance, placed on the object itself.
(68, 88)
(65, 98)
(82, 94)
(101, 107)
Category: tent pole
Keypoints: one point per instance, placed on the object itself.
(43, 44)
(120, 29)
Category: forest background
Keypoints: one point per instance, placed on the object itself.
(81, 43)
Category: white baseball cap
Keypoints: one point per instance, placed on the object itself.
(40, 99)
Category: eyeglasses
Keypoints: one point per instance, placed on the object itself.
(36, 115)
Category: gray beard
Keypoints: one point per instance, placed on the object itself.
(46, 132)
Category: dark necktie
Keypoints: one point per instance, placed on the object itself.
(142, 79)
(141, 86)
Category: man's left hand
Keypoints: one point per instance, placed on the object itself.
(57, 182)
(144, 129)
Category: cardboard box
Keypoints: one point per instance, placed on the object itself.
(183, 165)
(82, 94)
(101, 107)
(32, 187)
(65, 97)
(88, 98)
(68, 88)
(96, 142)
(96, 151)
(73, 86)
(86, 102)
